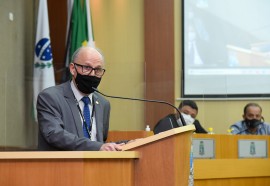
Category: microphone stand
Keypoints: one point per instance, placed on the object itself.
(146, 100)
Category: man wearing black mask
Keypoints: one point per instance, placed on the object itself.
(72, 116)
(252, 123)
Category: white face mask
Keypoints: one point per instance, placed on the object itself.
(188, 119)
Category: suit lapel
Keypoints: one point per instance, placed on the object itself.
(73, 107)
(98, 116)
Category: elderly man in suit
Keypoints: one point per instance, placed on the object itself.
(71, 115)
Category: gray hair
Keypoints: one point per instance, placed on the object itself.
(77, 52)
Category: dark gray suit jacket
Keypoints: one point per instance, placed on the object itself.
(60, 126)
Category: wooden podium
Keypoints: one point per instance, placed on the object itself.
(227, 169)
(157, 160)
(76, 168)
(164, 158)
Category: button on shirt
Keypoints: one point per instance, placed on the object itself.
(79, 97)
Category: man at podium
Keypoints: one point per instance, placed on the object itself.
(252, 123)
(72, 116)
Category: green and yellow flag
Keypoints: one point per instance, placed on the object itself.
(80, 29)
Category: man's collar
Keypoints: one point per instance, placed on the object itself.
(78, 95)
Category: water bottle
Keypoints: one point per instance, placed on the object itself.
(211, 130)
(229, 131)
(147, 128)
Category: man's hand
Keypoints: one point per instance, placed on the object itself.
(111, 147)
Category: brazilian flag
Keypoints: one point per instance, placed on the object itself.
(80, 31)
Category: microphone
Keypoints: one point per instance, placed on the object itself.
(239, 132)
(146, 100)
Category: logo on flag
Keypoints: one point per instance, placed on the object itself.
(43, 75)
(43, 53)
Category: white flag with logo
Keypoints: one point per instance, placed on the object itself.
(43, 67)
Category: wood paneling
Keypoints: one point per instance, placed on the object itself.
(226, 146)
(227, 168)
(57, 11)
(165, 158)
(223, 172)
(159, 57)
(127, 135)
(67, 168)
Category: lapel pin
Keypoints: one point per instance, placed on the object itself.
(97, 102)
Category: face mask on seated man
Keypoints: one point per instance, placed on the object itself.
(188, 119)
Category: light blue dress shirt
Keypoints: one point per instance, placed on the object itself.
(241, 128)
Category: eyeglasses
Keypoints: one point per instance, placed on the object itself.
(86, 70)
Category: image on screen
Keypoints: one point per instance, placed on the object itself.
(226, 48)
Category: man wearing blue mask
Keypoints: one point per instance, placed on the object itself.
(252, 123)
(71, 116)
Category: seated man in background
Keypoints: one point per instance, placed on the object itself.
(189, 111)
(252, 123)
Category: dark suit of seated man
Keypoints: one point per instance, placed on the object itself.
(189, 111)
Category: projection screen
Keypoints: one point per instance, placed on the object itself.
(226, 48)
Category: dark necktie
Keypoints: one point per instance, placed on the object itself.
(86, 115)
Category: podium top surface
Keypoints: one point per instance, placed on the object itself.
(68, 155)
(165, 134)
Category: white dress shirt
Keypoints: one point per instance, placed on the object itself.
(78, 95)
